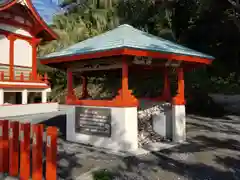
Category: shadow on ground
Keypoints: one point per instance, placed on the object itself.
(58, 121)
(74, 159)
(229, 125)
(67, 162)
(163, 166)
(212, 153)
(206, 156)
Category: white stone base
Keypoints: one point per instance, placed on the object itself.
(27, 109)
(179, 123)
(124, 130)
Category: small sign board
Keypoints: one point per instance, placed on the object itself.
(10, 133)
(93, 121)
(34, 140)
(142, 60)
(48, 141)
(21, 136)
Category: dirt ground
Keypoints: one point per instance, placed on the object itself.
(211, 153)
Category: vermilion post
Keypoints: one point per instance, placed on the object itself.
(22, 76)
(11, 38)
(37, 148)
(25, 151)
(51, 154)
(30, 76)
(124, 78)
(179, 99)
(166, 88)
(2, 75)
(84, 87)
(13, 148)
(4, 161)
(70, 82)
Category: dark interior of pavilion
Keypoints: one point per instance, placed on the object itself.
(142, 82)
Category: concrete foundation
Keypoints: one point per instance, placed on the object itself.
(27, 109)
(162, 122)
(124, 130)
(179, 123)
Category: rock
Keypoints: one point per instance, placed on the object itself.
(81, 155)
(60, 149)
(63, 163)
(145, 129)
(71, 149)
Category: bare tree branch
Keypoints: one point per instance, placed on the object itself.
(236, 22)
(235, 4)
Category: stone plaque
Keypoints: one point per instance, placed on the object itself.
(93, 121)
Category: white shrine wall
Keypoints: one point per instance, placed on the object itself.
(22, 48)
(4, 46)
(22, 53)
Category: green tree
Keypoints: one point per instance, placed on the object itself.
(80, 22)
(208, 26)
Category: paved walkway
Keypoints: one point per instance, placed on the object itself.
(212, 153)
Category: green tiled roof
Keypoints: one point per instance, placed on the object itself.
(125, 36)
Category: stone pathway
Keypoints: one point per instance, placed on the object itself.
(212, 152)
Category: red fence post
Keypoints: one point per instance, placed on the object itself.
(51, 154)
(4, 146)
(13, 148)
(37, 148)
(25, 151)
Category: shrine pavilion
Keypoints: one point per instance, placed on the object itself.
(123, 48)
(21, 30)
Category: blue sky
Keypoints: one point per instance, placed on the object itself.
(47, 8)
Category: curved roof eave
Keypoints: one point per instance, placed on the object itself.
(36, 15)
(133, 41)
(7, 5)
(52, 34)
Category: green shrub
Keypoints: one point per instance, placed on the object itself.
(102, 175)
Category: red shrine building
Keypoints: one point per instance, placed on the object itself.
(127, 51)
(21, 31)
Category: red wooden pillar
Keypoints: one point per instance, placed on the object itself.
(13, 148)
(11, 39)
(34, 44)
(125, 97)
(166, 89)
(179, 99)
(51, 154)
(71, 95)
(124, 78)
(25, 151)
(37, 148)
(69, 82)
(84, 87)
(4, 161)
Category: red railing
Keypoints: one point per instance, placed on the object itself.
(25, 78)
(22, 156)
